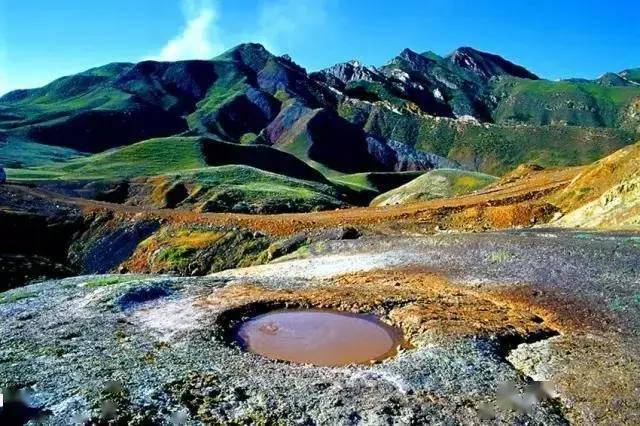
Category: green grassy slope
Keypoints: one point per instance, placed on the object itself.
(250, 190)
(17, 153)
(67, 95)
(148, 158)
(167, 155)
(441, 183)
(376, 182)
(489, 148)
(158, 165)
(545, 102)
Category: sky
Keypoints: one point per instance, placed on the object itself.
(41, 40)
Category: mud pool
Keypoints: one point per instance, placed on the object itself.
(319, 337)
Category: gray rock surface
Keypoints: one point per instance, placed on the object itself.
(145, 348)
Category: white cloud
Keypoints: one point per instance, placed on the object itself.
(279, 25)
(284, 23)
(200, 38)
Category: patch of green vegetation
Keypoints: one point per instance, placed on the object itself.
(369, 185)
(231, 83)
(282, 95)
(467, 182)
(16, 296)
(105, 281)
(185, 249)
(182, 160)
(583, 236)
(618, 305)
(32, 174)
(500, 256)
(248, 138)
(356, 181)
(300, 253)
(175, 257)
(633, 241)
(431, 55)
(174, 248)
(54, 351)
(373, 92)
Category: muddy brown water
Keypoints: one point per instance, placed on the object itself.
(319, 337)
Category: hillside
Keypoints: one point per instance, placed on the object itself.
(605, 195)
(17, 153)
(75, 232)
(469, 109)
(191, 172)
(172, 154)
(442, 183)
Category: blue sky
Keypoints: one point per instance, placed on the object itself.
(43, 39)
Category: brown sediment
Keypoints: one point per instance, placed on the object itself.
(420, 303)
(561, 311)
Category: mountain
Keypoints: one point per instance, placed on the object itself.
(631, 75)
(613, 79)
(469, 110)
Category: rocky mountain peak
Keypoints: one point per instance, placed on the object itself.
(253, 55)
(408, 54)
(413, 56)
(487, 65)
(410, 60)
(250, 47)
(632, 75)
(352, 70)
(612, 79)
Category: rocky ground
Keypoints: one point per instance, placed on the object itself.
(521, 327)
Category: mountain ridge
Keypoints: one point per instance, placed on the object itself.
(249, 95)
